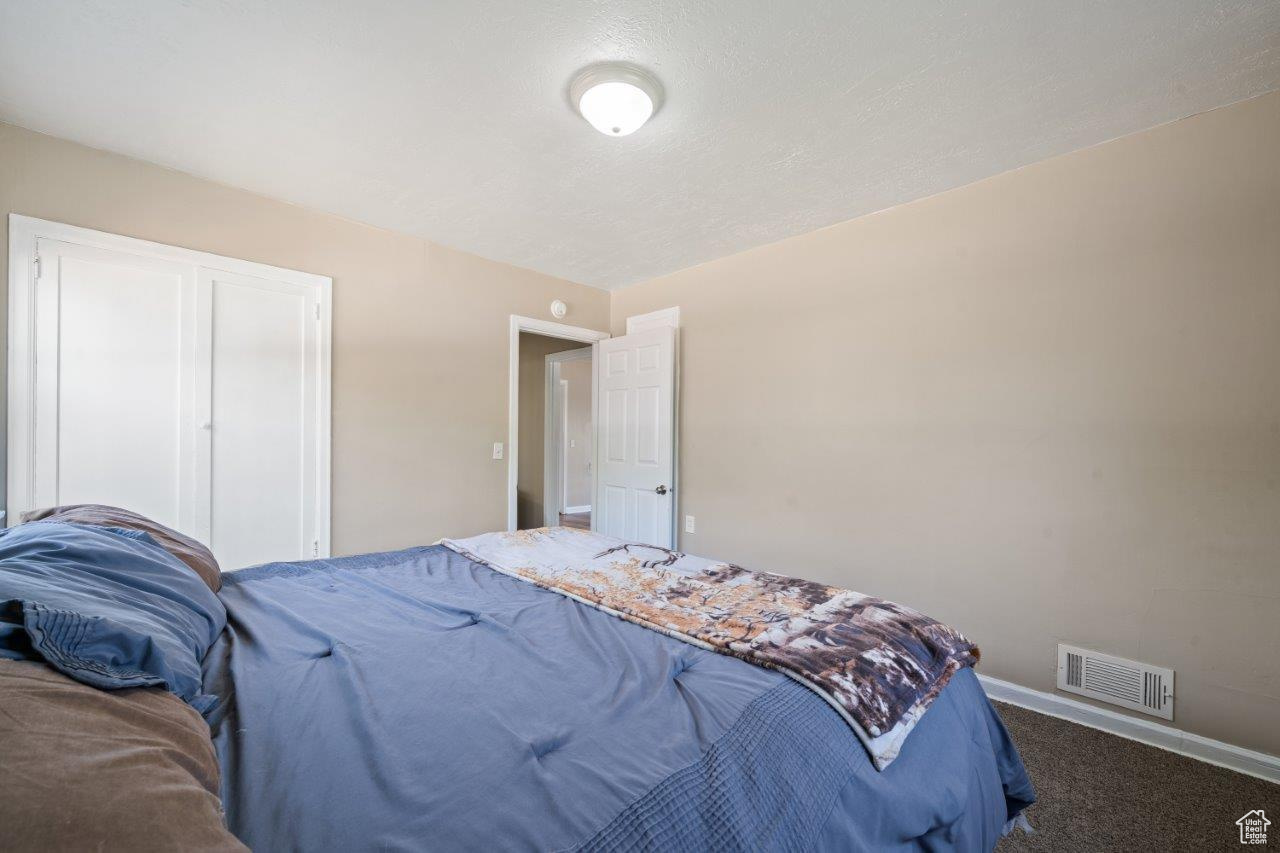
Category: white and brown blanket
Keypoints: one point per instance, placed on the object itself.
(879, 664)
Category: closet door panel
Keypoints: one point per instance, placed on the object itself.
(114, 337)
(262, 404)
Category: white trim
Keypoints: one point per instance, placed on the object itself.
(655, 319)
(555, 477)
(1202, 748)
(562, 466)
(573, 510)
(520, 324)
(25, 231)
(578, 354)
(595, 430)
(678, 494)
(19, 451)
(27, 227)
(324, 409)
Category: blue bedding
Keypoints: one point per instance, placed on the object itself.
(417, 700)
(106, 606)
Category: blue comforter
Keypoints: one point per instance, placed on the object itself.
(416, 700)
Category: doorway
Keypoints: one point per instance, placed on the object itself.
(633, 420)
(544, 482)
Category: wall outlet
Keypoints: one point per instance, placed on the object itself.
(689, 525)
(497, 450)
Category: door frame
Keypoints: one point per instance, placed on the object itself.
(24, 232)
(554, 479)
(549, 329)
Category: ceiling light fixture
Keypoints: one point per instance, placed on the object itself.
(615, 97)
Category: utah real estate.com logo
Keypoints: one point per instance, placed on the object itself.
(1253, 827)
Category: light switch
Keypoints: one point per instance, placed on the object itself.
(688, 524)
(497, 450)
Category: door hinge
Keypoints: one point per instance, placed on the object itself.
(317, 310)
(315, 548)
(36, 263)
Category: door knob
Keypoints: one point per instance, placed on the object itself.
(662, 490)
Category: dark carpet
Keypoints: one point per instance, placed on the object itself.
(1100, 792)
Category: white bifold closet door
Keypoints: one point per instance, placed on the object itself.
(193, 395)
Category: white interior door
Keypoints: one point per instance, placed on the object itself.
(635, 452)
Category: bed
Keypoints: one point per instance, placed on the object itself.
(425, 699)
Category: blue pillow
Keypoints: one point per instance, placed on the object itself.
(106, 606)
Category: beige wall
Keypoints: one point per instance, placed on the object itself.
(534, 349)
(420, 332)
(578, 456)
(1042, 407)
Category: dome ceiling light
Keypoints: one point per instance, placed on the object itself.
(615, 98)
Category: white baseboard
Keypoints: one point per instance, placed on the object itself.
(1217, 752)
(571, 510)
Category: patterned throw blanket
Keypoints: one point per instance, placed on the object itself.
(879, 664)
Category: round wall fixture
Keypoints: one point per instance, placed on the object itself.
(615, 97)
(559, 309)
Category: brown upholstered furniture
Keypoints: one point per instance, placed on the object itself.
(89, 769)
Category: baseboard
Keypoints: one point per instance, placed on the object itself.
(1217, 752)
(571, 510)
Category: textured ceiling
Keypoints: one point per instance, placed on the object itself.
(449, 120)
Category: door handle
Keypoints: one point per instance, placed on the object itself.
(662, 490)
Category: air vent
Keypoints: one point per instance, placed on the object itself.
(1119, 681)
